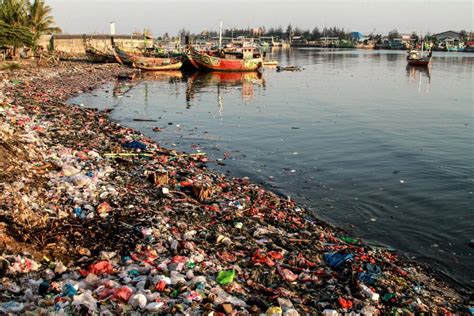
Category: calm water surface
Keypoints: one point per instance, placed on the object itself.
(383, 150)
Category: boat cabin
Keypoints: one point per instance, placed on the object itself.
(240, 53)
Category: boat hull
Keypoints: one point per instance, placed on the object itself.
(418, 62)
(124, 57)
(151, 67)
(270, 63)
(211, 63)
(97, 56)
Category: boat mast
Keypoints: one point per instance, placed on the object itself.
(422, 44)
(220, 34)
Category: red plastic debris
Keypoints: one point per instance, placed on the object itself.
(345, 303)
(101, 268)
(258, 257)
(160, 286)
(287, 274)
(277, 255)
(122, 294)
(179, 259)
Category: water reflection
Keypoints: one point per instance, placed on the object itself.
(416, 75)
(245, 82)
(164, 76)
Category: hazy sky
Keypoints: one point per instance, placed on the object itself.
(79, 16)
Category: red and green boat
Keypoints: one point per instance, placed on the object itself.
(245, 59)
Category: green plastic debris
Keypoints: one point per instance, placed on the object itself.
(349, 240)
(190, 264)
(133, 273)
(388, 296)
(175, 293)
(225, 277)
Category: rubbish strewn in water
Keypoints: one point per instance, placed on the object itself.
(97, 218)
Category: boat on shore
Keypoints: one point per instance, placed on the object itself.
(96, 56)
(125, 58)
(245, 59)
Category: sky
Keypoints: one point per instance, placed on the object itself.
(160, 16)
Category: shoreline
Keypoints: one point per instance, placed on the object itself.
(186, 239)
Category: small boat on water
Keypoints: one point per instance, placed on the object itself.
(418, 57)
(270, 63)
(245, 59)
(97, 56)
(156, 64)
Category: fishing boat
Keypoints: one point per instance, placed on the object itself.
(223, 60)
(126, 58)
(236, 57)
(97, 56)
(419, 58)
(156, 64)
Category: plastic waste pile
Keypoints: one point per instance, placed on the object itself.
(100, 219)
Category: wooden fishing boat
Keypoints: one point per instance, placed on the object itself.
(97, 56)
(222, 60)
(156, 64)
(416, 58)
(126, 58)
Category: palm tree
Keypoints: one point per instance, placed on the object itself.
(15, 35)
(39, 19)
(14, 12)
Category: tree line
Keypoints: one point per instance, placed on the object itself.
(308, 34)
(278, 32)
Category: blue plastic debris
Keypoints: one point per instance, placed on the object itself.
(134, 145)
(372, 274)
(336, 259)
(78, 212)
(69, 290)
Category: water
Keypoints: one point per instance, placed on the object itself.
(370, 145)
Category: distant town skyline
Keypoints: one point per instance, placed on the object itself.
(165, 16)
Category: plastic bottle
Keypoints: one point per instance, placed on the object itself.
(366, 291)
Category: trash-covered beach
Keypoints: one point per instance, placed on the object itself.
(96, 218)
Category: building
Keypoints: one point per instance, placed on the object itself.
(75, 44)
(357, 36)
(298, 39)
(447, 35)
